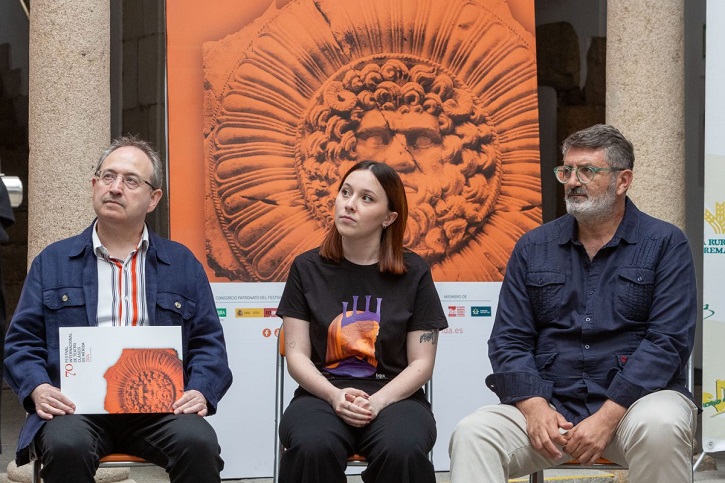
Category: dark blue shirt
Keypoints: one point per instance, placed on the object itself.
(577, 331)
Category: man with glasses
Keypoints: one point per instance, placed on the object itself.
(594, 328)
(118, 272)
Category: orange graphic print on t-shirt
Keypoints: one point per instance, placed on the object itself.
(351, 340)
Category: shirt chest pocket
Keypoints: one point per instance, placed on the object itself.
(634, 293)
(545, 293)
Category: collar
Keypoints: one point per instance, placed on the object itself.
(100, 250)
(626, 231)
(157, 248)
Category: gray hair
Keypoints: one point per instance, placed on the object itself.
(157, 176)
(618, 151)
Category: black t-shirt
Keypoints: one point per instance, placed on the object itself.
(359, 318)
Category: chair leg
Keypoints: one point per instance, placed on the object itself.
(278, 404)
(36, 471)
(537, 477)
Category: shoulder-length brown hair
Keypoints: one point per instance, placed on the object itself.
(391, 240)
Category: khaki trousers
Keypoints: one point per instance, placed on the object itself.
(654, 440)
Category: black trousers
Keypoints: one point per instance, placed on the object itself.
(185, 445)
(396, 443)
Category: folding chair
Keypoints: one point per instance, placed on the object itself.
(113, 460)
(354, 460)
(600, 464)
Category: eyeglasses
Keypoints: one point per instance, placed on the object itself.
(130, 181)
(585, 174)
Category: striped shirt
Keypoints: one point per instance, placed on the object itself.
(121, 285)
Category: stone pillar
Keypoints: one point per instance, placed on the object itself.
(646, 99)
(69, 114)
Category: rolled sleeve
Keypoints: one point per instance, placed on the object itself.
(625, 393)
(513, 387)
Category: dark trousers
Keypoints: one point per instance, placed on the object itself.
(396, 443)
(185, 445)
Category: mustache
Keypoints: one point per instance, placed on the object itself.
(112, 199)
(578, 191)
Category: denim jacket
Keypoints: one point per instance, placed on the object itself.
(577, 331)
(61, 290)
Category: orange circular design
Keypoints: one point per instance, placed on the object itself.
(144, 381)
(445, 92)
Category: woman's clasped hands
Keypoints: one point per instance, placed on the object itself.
(353, 406)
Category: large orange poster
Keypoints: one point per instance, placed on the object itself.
(269, 102)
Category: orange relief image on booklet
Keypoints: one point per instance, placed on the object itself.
(115, 370)
(144, 381)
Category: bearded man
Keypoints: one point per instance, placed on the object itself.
(594, 328)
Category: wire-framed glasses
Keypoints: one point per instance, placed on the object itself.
(585, 174)
(129, 181)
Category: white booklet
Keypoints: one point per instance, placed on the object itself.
(121, 369)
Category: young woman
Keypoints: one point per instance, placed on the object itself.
(361, 320)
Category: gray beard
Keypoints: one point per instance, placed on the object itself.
(593, 210)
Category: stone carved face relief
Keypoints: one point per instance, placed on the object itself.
(417, 120)
(445, 92)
